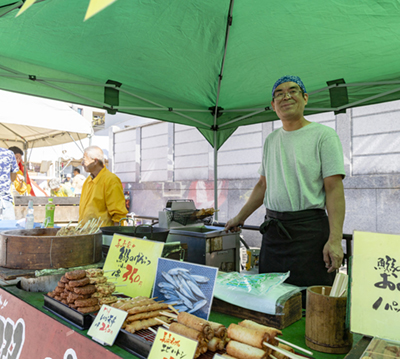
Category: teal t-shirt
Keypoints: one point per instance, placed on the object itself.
(295, 164)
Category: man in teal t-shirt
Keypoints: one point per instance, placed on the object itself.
(300, 177)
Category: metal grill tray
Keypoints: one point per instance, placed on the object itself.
(140, 343)
(72, 316)
(185, 217)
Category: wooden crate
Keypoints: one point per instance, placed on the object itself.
(292, 312)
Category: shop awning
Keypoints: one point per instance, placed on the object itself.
(209, 64)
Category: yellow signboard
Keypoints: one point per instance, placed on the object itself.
(375, 286)
(131, 264)
(107, 324)
(170, 345)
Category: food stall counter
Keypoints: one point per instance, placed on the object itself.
(29, 306)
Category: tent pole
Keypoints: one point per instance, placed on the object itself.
(82, 150)
(216, 110)
(215, 175)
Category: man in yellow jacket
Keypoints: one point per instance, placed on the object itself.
(102, 193)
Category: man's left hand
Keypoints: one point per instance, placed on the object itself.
(333, 254)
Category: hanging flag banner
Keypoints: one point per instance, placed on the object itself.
(375, 287)
(96, 6)
(26, 5)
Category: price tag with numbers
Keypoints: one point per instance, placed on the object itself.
(168, 345)
(107, 324)
(131, 264)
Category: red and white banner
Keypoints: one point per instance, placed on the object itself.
(28, 333)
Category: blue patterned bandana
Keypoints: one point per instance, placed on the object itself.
(288, 78)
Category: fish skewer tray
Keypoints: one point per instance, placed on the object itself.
(72, 316)
(140, 343)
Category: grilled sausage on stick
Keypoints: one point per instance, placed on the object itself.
(244, 351)
(219, 329)
(197, 323)
(253, 337)
(271, 332)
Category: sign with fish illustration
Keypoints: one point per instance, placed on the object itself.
(187, 286)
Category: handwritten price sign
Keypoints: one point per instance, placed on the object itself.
(375, 286)
(107, 324)
(168, 345)
(132, 264)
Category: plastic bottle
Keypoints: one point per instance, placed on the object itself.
(30, 219)
(49, 213)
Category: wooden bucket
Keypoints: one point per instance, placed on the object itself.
(326, 322)
(40, 248)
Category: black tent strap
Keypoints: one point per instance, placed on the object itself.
(111, 96)
(46, 81)
(338, 95)
(216, 111)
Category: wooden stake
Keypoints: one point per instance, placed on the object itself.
(152, 330)
(294, 346)
(323, 291)
(167, 314)
(166, 325)
(341, 281)
(283, 351)
(173, 309)
(343, 292)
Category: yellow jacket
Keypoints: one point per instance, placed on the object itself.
(102, 197)
(20, 185)
(64, 191)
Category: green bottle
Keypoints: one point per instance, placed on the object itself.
(49, 213)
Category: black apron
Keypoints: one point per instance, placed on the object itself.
(294, 241)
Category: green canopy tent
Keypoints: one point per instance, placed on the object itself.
(209, 64)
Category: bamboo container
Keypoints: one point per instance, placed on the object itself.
(326, 322)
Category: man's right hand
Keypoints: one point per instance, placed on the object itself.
(233, 225)
(255, 201)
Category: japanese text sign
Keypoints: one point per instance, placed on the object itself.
(168, 345)
(375, 285)
(132, 263)
(107, 324)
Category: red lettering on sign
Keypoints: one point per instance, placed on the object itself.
(130, 271)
